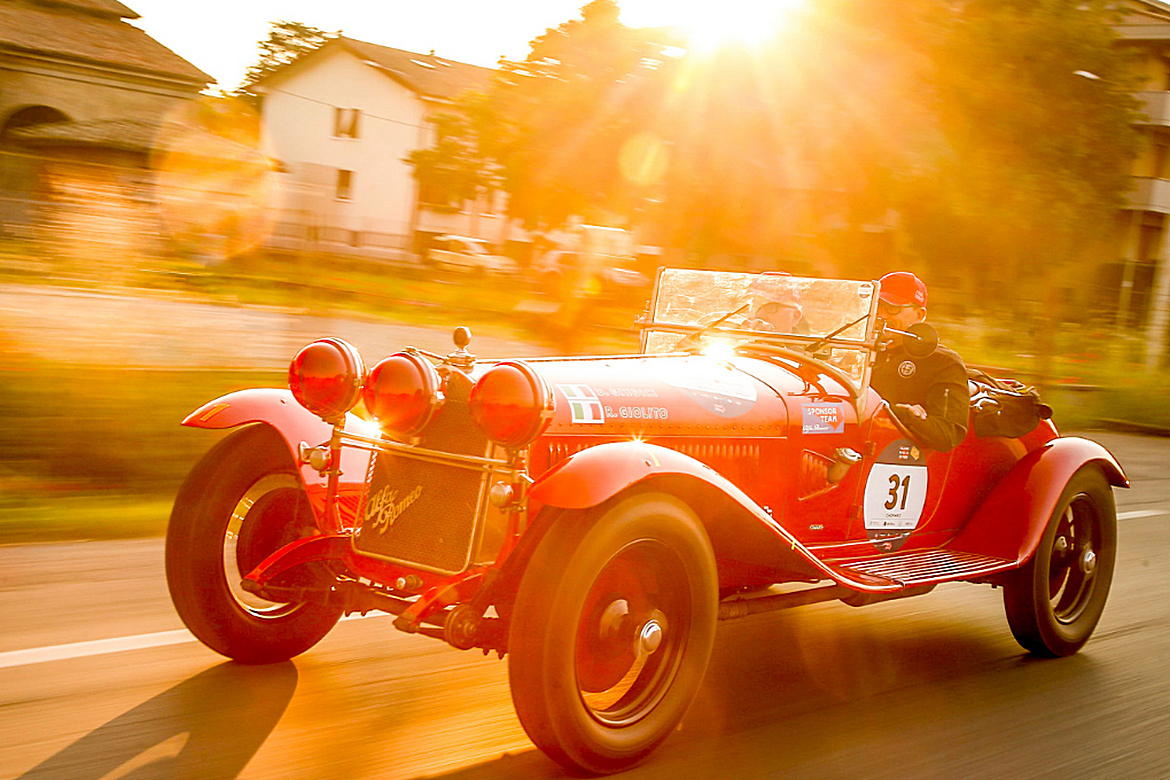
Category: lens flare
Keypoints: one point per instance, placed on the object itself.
(217, 190)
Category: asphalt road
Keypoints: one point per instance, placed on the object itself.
(99, 681)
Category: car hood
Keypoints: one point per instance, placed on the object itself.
(669, 395)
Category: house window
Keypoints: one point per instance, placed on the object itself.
(345, 122)
(344, 184)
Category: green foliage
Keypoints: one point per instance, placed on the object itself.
(457, 167)
(551, 129)
(73, 428)
(286, 42)
(1038, 155)
(968, 119)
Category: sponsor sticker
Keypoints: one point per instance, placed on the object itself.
(907, 368)
(584, 406)
(823, 418)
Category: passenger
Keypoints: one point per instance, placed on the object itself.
(929, 394)
(781, 311)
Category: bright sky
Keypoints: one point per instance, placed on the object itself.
(220, 36)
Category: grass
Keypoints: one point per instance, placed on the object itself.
(405, 293)
(48, 518)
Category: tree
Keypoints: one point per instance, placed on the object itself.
(564, 113)
(457, 167)
(286, 42)
(966, 117)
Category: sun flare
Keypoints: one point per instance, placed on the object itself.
(710, 25)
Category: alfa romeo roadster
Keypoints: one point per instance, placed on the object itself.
(592, 519)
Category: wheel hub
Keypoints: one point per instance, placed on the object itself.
(650, 638)
(1088, 561)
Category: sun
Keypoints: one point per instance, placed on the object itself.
(711, 24)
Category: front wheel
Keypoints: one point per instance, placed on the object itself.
(241, 502)
(1054, 601)
(612, 629)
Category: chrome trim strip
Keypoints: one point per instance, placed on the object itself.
(473, 462)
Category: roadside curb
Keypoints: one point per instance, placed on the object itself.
(1125, 426)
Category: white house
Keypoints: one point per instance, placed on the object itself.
(341, 121)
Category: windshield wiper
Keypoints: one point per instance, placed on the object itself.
(693, 338)
(823, 340)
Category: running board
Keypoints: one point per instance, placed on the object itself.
(924, 567)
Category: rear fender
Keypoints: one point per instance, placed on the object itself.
(744, 535)
(279, 410)
(1011, 520)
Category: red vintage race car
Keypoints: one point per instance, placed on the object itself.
(593, 519)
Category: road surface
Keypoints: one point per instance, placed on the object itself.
(98, 680)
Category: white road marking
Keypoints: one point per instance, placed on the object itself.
(1136, 513)
(37, 655)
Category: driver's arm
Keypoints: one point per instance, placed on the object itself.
(947, 408)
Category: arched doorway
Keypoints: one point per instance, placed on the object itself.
(29, 116)
(19, 169)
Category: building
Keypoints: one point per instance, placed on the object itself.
(1143, 275)
(78, 65)
(341, 121)
(83, 94)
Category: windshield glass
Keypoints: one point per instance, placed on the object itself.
(769, 308)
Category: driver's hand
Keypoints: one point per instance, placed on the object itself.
(914, 409)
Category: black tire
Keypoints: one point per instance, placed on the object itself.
(1054, 601)
(612, 630)
(240, 503)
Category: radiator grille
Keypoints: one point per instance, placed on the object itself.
(424, 514)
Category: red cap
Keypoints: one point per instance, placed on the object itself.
(902, 288)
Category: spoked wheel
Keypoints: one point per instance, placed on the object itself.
(240, 504)
(1054, 602)
(611, 632)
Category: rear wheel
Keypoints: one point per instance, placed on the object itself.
(612, 630)
(241, 502)
(1054, 602)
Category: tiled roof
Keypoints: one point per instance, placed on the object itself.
(69, 33)
(426, 74)
(109, 8)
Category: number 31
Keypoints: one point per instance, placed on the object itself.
(895, 483)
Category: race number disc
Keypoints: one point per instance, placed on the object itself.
(895, 493)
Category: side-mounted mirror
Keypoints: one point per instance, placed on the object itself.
(921, 340)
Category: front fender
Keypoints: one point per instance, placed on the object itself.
(1011, 520)
(741, 531)
(596, 474)
(278, 409)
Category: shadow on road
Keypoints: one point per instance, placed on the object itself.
(207, 727)
(837, 693)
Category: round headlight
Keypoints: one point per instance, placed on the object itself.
(403, 393)
(326, 378)
(512, 404)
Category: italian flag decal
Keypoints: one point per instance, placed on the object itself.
(583, 403)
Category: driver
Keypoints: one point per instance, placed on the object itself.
(929, 394)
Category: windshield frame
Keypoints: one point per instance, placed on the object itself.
(792, 345)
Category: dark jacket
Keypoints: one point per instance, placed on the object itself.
(937, 383)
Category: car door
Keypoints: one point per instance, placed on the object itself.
(899, 487)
